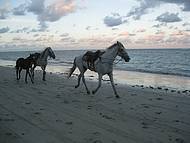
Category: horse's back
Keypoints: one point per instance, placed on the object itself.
(80, 62)
(19, 62)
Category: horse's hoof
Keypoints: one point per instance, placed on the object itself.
(117, 96)
(76, 86)
(93, 92)
(88, 92)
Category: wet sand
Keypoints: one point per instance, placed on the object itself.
(55, 112)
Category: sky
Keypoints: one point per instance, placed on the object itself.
(93, 24)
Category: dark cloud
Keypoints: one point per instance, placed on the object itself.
(49, 13)
(186, 24)
(36, 35)
(137, 12)
(168, 17)
(20, 10)
(4, 29)
(114, 20)
(36, 6)
(21, 30)
(88, 27)
(114, 28)
(159, 25)
(57, 10)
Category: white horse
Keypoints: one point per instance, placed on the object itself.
(42, 60)
(103, 65)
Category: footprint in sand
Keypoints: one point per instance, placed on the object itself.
(97, 141)
(89, 107)
(159, 98)
(69, 123)
(145, 125)
(146, 106)
(9, 120)
(179, 140)
(39, 92)
(66, 102)
(58, 96)
(96, 133)
(158, 112)
(8, 133)
(37, 113)
(28, 102)
(106, 117)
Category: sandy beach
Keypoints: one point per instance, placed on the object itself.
(55, 112)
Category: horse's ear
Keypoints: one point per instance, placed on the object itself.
(117, 42)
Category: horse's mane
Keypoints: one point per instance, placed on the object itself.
(43, 53)
(112, 46)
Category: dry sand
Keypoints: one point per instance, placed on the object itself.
(55, 112)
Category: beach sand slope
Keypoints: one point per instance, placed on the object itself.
(55, 112)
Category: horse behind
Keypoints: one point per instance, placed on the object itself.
(42, 60)
(26, 64)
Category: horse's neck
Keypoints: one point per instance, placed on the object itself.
(110, 54)
(44, 56)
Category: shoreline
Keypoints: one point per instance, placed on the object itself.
(134, 78)
(54, 111)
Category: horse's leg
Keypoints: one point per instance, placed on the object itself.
(79, 78)
(33, 71)
(99, 84)
(113, 85)
(27, 70)
(83, 79)
(44, 73)
(19, 72)
(30, 75)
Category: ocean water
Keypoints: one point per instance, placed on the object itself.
(152, 62)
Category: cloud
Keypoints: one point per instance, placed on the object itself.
(141, 30)
(36, 35)
(64, 35)
(137, 12)
(21, 30)
(4, 29)
(114, 20)
(4, 8)
(36, 6)
(186, 24)
(168, 17)
(57, 10)
(50, 13)
(88, 27)
(20, 10)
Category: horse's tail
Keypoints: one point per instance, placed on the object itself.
(72, 69)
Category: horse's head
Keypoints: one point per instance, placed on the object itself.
(122, 52)
(50, 52)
